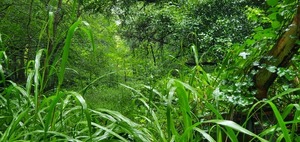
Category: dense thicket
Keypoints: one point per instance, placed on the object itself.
(149, 70)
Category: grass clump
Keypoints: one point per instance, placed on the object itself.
(62, 117)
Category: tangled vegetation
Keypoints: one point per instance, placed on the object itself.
(150, 71)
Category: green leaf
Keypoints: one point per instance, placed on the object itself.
(271, 69)
(275, 24)
(250, 42)
(272, 2)
(273, 16)
(298, 42)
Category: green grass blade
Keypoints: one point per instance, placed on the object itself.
(284, 93)
(58, 135)
(235, 126)
(66, 50)
(129, 126)
(109, 131)
(30, 75)
(185, 108)
(10, 130)
(289, 108)
(134, 90)
(50, 112)
(204, 134)
(89, 33)
(183, 100)
(156, 122)
(170, 122)
(50, 24)
(36, 77)
(83, 91)
(195, 51)
(20, 89)
(229, 131)
(161, 133)
(268, 131)
(85, 109)
(280, 122)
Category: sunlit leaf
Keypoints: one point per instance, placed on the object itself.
(244, 55)
(271, 69)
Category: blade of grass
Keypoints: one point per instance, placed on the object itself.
(36, 77)
(185, 108)
(284, 93)
(195, 51)
(10, 130)
(30, 75)
(170, 122)
(280, 122)
(294, 122)
(49, 116)
(66, 50)
(67, 46)
(58, 135)
(229, 131)
(109, 131)
(156, 122)
(85, 109)
(235, 126)
(254, 108)
(89, 33)
(204, 134)
(83, 91)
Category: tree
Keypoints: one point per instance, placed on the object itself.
(279, 56)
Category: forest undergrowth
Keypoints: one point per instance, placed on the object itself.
(189, 104)
(171, 111)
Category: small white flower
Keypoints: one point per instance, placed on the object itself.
(244, 55)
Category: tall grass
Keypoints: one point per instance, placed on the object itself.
(176, 110)
(171, 114)
(181, 124)
(279, 130)
(72, 120)
(171, 118)
(29, 115)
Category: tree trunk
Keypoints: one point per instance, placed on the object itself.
(281, 53)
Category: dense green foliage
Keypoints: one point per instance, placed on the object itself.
(146, 70)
